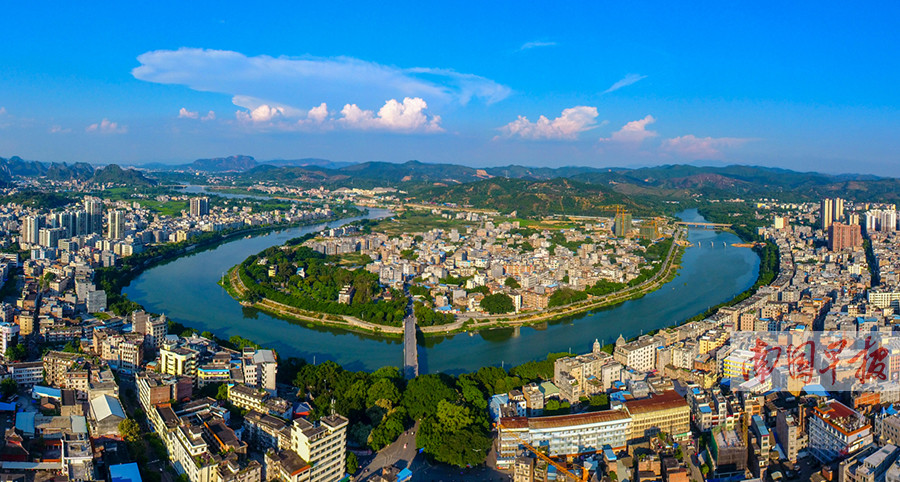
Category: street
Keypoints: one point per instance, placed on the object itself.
(421, 468)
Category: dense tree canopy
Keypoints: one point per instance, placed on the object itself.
(497, 303)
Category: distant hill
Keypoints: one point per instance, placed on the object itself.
(116, 175)
(57, 171)
(532, 198)
(223, 164)
(307, 162)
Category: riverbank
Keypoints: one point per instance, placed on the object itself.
(235, 287)
(114, 279)
(769, 261)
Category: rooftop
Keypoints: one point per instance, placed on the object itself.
(667, 401)
(543, 423)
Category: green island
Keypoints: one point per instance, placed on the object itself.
(114, 278)
(375, 270)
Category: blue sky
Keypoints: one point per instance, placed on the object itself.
(808, 86)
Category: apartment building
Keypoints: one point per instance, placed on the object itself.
(563, 435)
(179, 361)
(836, 430)
(668, 412)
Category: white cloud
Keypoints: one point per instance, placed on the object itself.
(568, 125)
(536, 44)
(186, 114)
(262, 113)
(701, 147)
(59, 130)
(210, 116)
(287, 83)
(2, 110)
(625, 82)
(408, 116)
(633, 132)
(318, 114)
(107, 127)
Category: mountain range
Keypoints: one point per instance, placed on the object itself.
(15, 166)
(530, 190)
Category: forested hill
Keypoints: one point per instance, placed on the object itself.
(533, 198)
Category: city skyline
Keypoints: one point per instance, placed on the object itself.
(804, 88)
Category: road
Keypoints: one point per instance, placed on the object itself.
(410, 349)
(690, 457)
(392, 454)
(420, 467)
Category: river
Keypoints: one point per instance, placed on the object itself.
(186, 291)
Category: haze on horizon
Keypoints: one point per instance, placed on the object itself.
(806, 86)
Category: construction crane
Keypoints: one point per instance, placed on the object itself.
(568, 473)
(619, 209)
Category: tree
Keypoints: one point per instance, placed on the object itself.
(512, 283)
(704, 469)
(130, 430)
(565, 296)
(8, 387)
(352, 463)
(497, 303)
(382, 389)
(452, 417)
(17, 352)
(388, 430)
(424, 392)
(71, 347)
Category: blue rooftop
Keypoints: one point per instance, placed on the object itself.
(40, 391)
(705, 409)
(760, 425)
(124, 473)
(404, 474)
(816, 389)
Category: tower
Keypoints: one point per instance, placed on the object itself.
(116, 225)
(94, 209)
(826, 213)
(199, 206)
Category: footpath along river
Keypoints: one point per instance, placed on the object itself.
(186, 291)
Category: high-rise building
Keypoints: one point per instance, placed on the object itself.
(199, 206)
(94, 209)
(830, 211)
(623, 224)
(82, 221)
(842, 236)
(31, 229)
(116, 225)
(826, 213)
(49, 237)
(836, 430)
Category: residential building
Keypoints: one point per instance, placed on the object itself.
(728, 451)
(836, 430)
(869, 464)
(260, 368)
(323, 445)
(564, 434)
(9, 335)
(199, 206)
(668, 412)
(842, 236)
(179, 361)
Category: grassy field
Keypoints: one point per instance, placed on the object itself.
(543, 223)
(417, 222)
(351, 259)
(168, 208)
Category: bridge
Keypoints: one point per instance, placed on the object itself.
(410, 348)
(703, 225)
